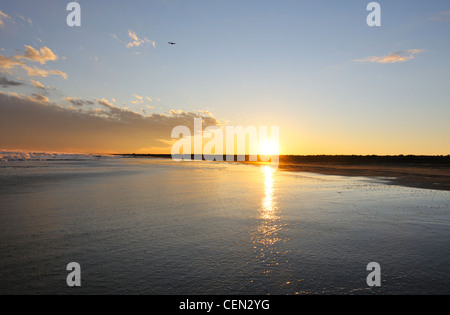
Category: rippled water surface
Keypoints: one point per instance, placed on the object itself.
(160, 227)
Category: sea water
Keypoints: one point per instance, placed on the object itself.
(154, 226)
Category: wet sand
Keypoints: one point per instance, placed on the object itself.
(428, 177)
(428, 172)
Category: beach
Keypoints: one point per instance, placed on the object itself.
(410, 175)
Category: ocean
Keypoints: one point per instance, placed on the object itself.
(154, 226)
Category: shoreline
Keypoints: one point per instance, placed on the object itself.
(426, 172)
(402, 175)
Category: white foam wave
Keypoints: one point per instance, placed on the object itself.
(7, 156)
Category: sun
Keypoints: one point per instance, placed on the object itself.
(268, 148)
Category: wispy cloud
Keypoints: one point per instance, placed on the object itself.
(7, 63)
(3, 18)
(137, 42)
(38, 72)
(38, 84)
(28, 20)
(138, 99)
(42, 56)
(134, 37)
(398, 56)
(442, 16)
(106, 103)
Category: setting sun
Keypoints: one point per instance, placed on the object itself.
(268, 148)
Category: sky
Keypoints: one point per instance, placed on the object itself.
(331, 83)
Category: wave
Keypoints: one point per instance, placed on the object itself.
(8, 156)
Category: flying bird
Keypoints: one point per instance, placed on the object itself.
(171, 43)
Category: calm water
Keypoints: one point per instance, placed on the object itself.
(158, 227)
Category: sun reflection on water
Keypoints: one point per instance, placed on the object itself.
(269, 202)
(266, 236)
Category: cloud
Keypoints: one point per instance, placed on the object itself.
(43, 56)
(398, 56)
(133, 36)
(3, 17)
(29, 20)
(107, 104)
(137, 42)
(442, 16)
(34, 123)
(114, 36)
(206, 112)
(38, 98)
(38, 84)
(139, 99)
(78, 102)
(7, 63)
(38, 72)
(4, 82)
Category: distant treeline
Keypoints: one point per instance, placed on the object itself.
(409, 159)
(353, 159)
